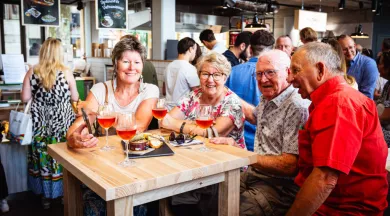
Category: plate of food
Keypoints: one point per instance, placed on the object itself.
(48, 18)
(107, 21)
(117, 14)
(147, 145)
(32, 12)
(49, 2)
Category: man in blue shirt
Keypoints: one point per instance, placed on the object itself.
(242, 82)
(361, 67)
(239, 50)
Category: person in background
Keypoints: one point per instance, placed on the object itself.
(361, 67)
(208, 40)
(383, 102)
(359, 48)
(367, 52)
(181, 76)
(213, 68)
(336, 47)
(127, 92)
(267, 187)
(34, 50)
(308, 35)
(240, 49)
(380, 82)
(3, 190)
(197, 55)
(284, 43)
(338, 174)
(242, 82)
(51, 87)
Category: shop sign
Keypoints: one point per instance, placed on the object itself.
(41, 12)
(111, 14)
(312, 19)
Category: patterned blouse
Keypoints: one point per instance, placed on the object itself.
(230, 106)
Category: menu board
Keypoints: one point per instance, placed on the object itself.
(111, 14)
(40, 12)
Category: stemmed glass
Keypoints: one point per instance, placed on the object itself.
(106, 118)
(204, 120)
(159, 111)
(126, 128)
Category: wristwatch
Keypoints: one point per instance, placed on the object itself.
(182, 127)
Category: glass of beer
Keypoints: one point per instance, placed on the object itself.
(106, 119)
(204, 120)
(159, 111)
(126, 128)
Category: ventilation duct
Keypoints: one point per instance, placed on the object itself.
(269, 6)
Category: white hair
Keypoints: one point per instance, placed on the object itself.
(279, 59)
(321, 52)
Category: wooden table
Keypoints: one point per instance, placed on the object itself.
(152, 179)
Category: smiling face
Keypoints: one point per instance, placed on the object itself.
(349, 48)
(303, 75)
(129, 67)
(271, 87)
(210, 86)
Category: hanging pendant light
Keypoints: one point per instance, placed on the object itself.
(359, 33)
(254, 26)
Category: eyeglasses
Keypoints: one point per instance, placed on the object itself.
(55, 39)
(181, 138)
(268, 73)
(216, 76)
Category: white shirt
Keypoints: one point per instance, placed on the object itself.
(219, 47)
(179, 77)
(99, 91)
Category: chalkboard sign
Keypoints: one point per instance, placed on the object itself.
(111, 14)
(40, 12)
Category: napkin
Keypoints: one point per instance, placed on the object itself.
(193, 142)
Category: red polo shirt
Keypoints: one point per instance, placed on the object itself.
(343, 132)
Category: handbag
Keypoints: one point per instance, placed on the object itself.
(20, 125)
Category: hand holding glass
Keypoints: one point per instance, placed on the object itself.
(126, 128)
(106, 119)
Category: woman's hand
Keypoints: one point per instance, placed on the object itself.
(82, 139)
(224, 141)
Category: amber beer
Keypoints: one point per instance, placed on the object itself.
(204, 123)
(126, 133)
(159, 113)
(106, 121)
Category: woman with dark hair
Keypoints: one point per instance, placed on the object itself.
(198, 54)
(383, 103)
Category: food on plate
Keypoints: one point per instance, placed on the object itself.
(141, 142)
(117, 14)
(27, 13)
(48, 18)
(155, 143)
(107, 21)
(32, 12)
(139, 145)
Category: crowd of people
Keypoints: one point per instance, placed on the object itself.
(309, 113)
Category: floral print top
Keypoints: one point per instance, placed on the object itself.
(230, 107)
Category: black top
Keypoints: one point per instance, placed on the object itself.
(231, 58)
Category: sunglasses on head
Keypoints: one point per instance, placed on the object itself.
(55, 39)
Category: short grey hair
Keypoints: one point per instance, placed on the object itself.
(217, 60)
(321, 52)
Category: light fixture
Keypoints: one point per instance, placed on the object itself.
(80, 5)
(359, 33)
(374, 5)
(254, 26)
(342, 4)
(225, 5)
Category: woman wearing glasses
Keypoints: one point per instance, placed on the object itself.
(213, 70)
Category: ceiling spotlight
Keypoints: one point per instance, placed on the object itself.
(80, 5)
(374, 5)
(342, 4)
(359, 33)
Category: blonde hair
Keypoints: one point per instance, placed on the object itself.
(50, 61)
(217, 60)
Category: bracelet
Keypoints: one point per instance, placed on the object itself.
(182, 127)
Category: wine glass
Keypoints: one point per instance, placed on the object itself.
(126, 128)
(106, 118)
(204, 120)
(159, 111)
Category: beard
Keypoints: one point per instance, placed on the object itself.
(243, 55)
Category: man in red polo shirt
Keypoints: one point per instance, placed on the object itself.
(342, 152)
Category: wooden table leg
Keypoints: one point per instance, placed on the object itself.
(73, 203)
(229, 194)
(120, 207)
(164, 208)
